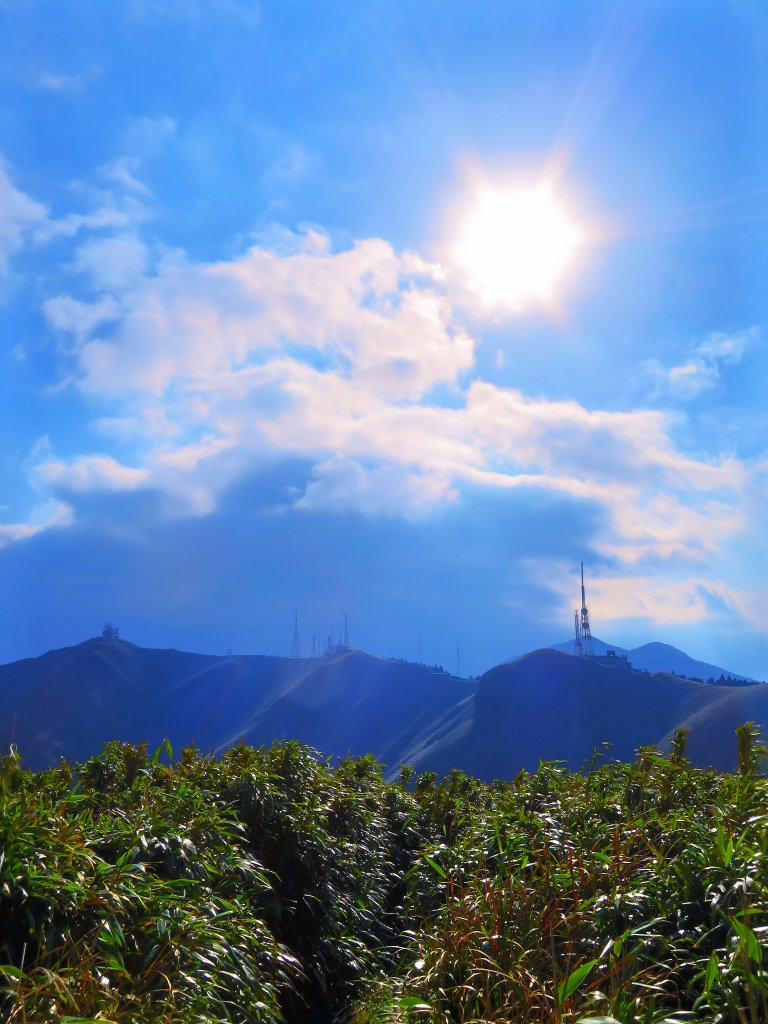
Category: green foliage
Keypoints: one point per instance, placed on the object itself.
(270, 885)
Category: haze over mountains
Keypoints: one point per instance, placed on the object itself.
(544, 705)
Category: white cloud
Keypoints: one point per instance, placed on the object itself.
(701, 371)
(20, 217)
(356, 311)
(354, 359)
(123, 213)
(89, 473)
(123, 173)
(661, 598)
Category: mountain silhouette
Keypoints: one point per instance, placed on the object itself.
(542, 706)
(549, 706)
(68, 702)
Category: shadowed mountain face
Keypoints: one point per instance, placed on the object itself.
(543, 706)
(67, 703)
(548, 706)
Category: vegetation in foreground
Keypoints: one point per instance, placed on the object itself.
(270, 886)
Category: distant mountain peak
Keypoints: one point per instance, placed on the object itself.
(659, 657)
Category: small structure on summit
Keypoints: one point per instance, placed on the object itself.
(334, 644)
(340, 645)
(611, 659)
(583, 647)
(110, 632)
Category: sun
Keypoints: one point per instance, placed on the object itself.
(515, 245)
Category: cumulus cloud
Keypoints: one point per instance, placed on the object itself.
(348, 485)
(355, 360)
(355, 311)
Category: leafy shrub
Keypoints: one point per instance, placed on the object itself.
(270, 885)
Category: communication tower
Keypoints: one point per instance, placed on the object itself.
(296, 645)
(583, 645)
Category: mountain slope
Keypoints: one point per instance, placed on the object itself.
(548, 706)
(543, 706)
(67, 703)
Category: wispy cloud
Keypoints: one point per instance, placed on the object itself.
(113, 263)
(89, 473)
(20, 217)
(52, 81)
(51, 514)
(702, 368)
(292, 167)
(144, 135)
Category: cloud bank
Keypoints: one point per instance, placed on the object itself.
(357, 360)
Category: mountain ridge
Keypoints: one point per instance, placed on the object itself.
(545, 705)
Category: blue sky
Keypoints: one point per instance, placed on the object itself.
(246, 369)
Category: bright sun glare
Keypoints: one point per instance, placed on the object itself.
(515, 245)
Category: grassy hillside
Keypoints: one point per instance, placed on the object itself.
(270, 886)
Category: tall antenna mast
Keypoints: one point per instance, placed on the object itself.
(346, 633)
(586, 632)
(458, 660)
(296, 645)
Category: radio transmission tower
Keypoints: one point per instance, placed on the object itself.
(583, 646)
(296, 645)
